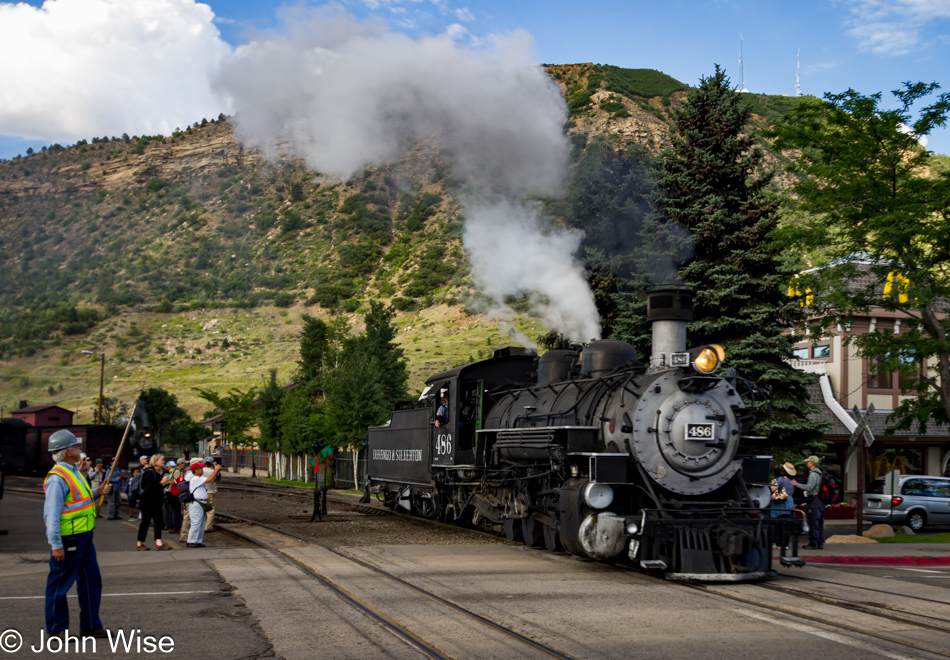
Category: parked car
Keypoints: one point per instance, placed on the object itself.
(918, 501)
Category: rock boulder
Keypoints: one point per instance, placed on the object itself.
(879, 532)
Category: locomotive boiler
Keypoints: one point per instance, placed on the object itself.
(593, 450)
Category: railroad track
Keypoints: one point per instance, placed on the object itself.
(369, 509)
(909, 622)
(424, 627)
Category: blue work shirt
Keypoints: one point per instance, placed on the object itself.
(56, 491)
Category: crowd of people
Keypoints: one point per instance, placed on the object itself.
(70, 512)
(152, 492)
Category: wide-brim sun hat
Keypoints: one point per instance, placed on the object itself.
(790, 469)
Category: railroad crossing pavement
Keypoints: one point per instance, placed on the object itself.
(176, 594)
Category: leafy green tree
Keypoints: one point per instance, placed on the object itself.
(378, 339)
(236, 407)
(298, 426)
(269, 405)
(868, 191)
(184, 431)
(714, 185)
(609, 199)
(163, 412)
(356, 395)
(320, 345)
(112, 410)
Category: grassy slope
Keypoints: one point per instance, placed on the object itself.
(434, 339)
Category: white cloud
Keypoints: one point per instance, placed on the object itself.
(893, 27)
(81, 68)
(456, 31)
(463, 15)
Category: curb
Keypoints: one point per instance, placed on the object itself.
(878, 561)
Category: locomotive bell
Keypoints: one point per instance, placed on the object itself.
(669, 308)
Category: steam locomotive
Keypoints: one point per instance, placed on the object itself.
(590, 450)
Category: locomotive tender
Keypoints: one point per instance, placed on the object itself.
(587, 449)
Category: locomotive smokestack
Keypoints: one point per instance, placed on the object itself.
(669, 308)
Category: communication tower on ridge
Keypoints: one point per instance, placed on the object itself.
(798, 74)
(741, 68)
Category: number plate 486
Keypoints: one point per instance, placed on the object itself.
(700, 431)
(443, 444)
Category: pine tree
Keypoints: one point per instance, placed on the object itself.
(714, 185)
(379, 339)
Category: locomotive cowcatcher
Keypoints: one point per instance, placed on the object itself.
(589, 449)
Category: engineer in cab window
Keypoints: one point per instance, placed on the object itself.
(442, 414)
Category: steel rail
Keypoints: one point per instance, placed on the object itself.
(855, 586)
(861, 607)
(825, 620)
(538, 646)
(394, 627)
(376, 510)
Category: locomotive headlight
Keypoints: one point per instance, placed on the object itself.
(598, 496)
(709, 359)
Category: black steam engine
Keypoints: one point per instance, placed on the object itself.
(591, 450)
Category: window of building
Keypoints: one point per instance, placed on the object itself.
(910, 371)
(53, 418)
(878, 377)
(800, 353)
(823, 351)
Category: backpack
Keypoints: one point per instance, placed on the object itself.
(135, 486)
(184, 492)
(780, 495)
(829, 491)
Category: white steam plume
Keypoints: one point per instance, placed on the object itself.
(346, 94)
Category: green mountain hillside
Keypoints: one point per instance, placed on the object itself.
(190, 261)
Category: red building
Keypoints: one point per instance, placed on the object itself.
(44, 416)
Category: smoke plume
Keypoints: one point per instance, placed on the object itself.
(345, 94)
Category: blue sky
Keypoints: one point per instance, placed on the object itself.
(162, 80)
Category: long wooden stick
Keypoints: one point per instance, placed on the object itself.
(118, 454)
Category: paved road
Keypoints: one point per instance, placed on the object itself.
(232, 600)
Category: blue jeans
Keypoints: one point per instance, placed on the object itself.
(816, 522)
(79, 566)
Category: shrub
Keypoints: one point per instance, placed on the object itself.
(154, 185)
(328, 295)
(404, 304)
(291, 221)
(284, 299)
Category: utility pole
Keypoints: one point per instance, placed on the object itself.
(102, 371)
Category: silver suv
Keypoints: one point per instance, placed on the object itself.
(918, 501)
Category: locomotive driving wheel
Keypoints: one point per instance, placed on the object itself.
(512, 529)
(551, 539)
(531, 529)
